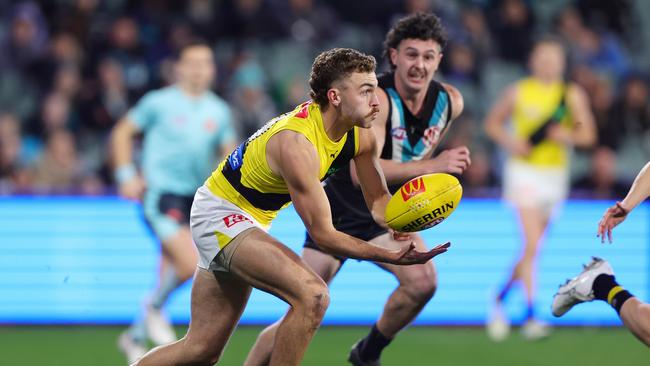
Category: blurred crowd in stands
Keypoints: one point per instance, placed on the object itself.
(69, 69)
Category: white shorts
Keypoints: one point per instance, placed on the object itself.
(529, 186)
(214, 222)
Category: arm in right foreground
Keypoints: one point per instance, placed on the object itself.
(616, 214)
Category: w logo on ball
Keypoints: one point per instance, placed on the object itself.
(412, 188)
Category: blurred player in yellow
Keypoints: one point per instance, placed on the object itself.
(285, 161)
(185, 127)
(597, 282)
(548, 117)
(415, 112)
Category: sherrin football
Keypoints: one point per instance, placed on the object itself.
(423, 202)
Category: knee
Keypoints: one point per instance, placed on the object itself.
(314, 300)
(202, 353)
(421, 288)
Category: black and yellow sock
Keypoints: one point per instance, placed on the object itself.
(373, 344)
(607, 289)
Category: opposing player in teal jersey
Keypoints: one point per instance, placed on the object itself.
(186, 127)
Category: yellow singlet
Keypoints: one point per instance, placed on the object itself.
(245, 178)
(535, 104)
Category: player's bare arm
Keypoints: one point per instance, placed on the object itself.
(131, 185)
(495, 122)
(584, 131)
(293, 157)
(616, 214)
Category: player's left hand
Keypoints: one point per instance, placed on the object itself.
(410, 255)
(611, 218)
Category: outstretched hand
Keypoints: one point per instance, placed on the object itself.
(612, 217)
(408, 254)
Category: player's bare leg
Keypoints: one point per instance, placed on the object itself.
(178, 262)
(417, 284)
(209, 329)
(636, 317)
(181, 253)
(266, 264)
(325, 266)
(280, 271)
(534, 222)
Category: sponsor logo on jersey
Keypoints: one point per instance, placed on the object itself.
(412, 188)
(304, 110)
(431, 136)
(235, 219)
(235, 158)
(398, 133)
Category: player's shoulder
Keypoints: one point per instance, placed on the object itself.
(307, 111)
(158, 95)
(215, 99)
(169, 91)
(576, 95)
(218, 104)
(573, 88)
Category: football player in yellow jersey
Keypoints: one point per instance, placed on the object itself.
(415, 113)
(236, 253)
(548, 117)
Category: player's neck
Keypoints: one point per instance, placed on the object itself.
(547, 80)
(335, 127)
(190, 91)
(413, 100)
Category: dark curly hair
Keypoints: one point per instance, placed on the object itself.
(424, 26)
(334, 65)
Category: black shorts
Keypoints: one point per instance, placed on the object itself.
(350, 215)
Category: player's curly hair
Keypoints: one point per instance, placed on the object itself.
(424, 26)
(334, 65)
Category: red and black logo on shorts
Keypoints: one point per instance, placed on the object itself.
(235, 219)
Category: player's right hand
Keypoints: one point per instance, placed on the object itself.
(132, 189)
(408, 254)
(611, 218)
(453, 161)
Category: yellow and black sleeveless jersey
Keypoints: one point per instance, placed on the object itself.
(245, 178)
(536, 103)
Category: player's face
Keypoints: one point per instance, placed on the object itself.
(358, 98)
(196, 68)
(547, 61)
(416, 61)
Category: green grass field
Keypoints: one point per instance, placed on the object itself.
(95, 346)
